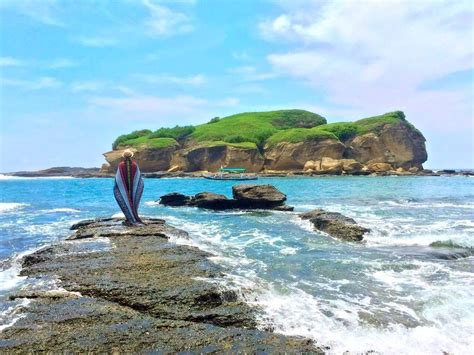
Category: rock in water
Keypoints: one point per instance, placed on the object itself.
(212, 201)
(142, 294)
(258, 196)
(336, 225)
(175, 199)
(245, 197)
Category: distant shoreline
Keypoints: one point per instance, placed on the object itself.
(79, 172)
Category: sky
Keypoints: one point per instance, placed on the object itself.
(76, 74)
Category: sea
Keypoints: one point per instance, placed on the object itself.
(395, 293)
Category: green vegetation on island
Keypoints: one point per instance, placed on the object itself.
(256, 129)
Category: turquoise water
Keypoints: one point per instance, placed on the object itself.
(391, 294)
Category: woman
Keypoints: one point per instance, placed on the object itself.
(128, 188)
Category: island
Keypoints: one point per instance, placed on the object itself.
(278, 141)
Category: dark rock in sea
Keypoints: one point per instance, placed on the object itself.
(142, 294)
(258, 196)
(212, 201)
(245, 197)
(336, 225)
(447, 171)
(175, 199)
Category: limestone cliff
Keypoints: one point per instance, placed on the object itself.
(288, 140)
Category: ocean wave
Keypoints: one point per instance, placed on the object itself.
(342, 324)
(403, 230)
(10, 206)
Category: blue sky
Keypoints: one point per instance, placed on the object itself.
(76, 74)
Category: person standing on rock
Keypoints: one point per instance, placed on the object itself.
(128, 188)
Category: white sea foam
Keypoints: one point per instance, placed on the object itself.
(338, 323)
(152, 203)
(410, 204)
(12, 314)
(11, 206)
(118, 215)
(53, 229)
(61, 210)
(9, 278)
(396, 231)
(288, 251)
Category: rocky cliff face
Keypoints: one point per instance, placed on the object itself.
(211, 158)
(397, 145)
(377, 144)
(149, 159)
(204, 158)
(293, 156)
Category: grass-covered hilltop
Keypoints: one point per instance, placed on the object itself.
(283, 140)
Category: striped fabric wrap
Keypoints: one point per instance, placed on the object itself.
(128, 189)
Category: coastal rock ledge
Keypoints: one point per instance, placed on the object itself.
(139, 293)
(336, 225)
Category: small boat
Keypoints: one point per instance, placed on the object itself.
(238, 174)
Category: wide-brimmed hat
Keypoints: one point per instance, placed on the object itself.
(127, 153)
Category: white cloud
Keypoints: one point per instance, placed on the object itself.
(61, 63)
(96, 41)
(241, 55)
(90, 85)
(45, 82)
(372, 57)
(148, 107)
(230, 101)
(164, 21)
(156, 108)
(250, 73)
(11, 62)
(43, 11)
(191, 80)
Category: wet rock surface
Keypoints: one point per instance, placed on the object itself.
(335, 224)
(258, 196)
(244, 197)
(141, 294)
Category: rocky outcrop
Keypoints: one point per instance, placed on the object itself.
(333, 166)
(244, 197)
(293, 156)
(396, 144)
(336, 225)
(149, 159)
(379, 167)
(258, 196)
(140, 295)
